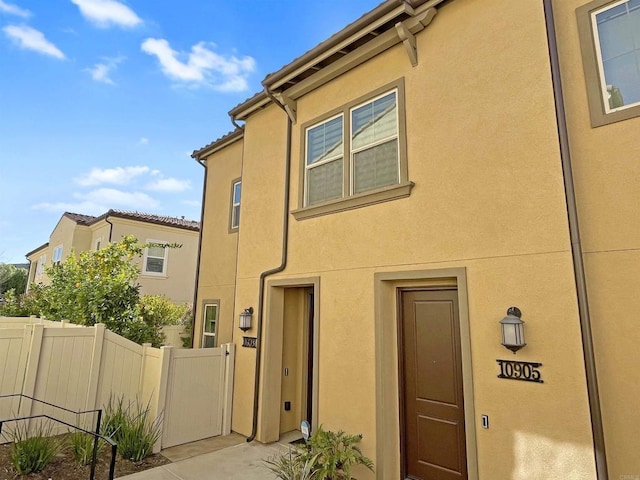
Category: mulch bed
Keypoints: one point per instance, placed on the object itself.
(64, 467)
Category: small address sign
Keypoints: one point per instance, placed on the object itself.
(525, 371)
(250, 342)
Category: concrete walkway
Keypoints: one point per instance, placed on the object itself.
(244, 461)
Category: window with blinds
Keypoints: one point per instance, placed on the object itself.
(371, 151)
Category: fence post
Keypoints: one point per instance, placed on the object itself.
(227, 398)
(96, 361)
(31, 372)
(163, 382)
(143, 368)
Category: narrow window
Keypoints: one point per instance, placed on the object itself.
(616, 28)
(57, 254)
(98, 243)
(324, 164)
(210, 325)
(41, 261)
(155, 258)
(235, 204)
(374, 144)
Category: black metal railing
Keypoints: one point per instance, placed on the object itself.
(96, 435)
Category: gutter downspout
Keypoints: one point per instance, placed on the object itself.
(265, 274)
(106, 219)
(195, 287)
(576, 250)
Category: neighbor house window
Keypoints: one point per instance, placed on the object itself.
(99, 243)
(210, 325)
(610, 34)
(236, 190)
(41, 261)
(356, 155)
(155, 258)
(57, 254)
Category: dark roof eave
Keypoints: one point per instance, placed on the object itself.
(44, 245)
(221, 142)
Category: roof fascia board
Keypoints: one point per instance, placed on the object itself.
(367, 51)
(287, 73)
(242, 111)
(217, 146)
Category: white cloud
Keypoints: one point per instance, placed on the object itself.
(100, 71)
(14, 10)
(192, 203)
(32, 39)
(202, 66)
(169, 185)
(145, 141)
(117, 175)
(106, 13)
(118, 198)
(101, 200)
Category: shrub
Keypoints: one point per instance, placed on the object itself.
(82, 447)
(34, 449)
(131, 428)
(326, 456)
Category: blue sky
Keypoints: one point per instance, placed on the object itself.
(103, 101)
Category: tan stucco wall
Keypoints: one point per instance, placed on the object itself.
(483, 153)
(218, 252)
(179, 282)
(607, 182)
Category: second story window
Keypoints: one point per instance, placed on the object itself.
(57, 254)
(236, 190)
(610, 41)
(155, 258)
(355, 155)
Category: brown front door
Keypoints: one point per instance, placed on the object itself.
(433, 439)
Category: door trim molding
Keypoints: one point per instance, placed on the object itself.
(386, 286)
(269, 401)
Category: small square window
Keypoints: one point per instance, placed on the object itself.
(610, 37)
(155, 258)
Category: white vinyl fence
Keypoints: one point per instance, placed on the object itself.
(83, 368)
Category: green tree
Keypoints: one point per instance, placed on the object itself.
(12, 278)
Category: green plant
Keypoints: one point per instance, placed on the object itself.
(327, 455)
(293, 465)
(138, 434)
(114, 417)
(82, 447)
(131, 427)
(32, 449)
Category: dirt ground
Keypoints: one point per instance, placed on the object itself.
(64, 467)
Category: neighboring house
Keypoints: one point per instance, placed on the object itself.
(392, 193)
(163, 271)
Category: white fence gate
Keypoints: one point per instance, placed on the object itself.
(82, 368)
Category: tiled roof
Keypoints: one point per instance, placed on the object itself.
(142, 217)
(150, 218)
(197, 153)
(80, 218)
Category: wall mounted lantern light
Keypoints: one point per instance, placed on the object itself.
(245, 319)
(513, 330)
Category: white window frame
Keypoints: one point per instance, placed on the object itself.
(164, 263)
(353, 151)
(57, 254)
(234, 221)
(41, 263)
(213, 334)
(603, 83)
(324, 161)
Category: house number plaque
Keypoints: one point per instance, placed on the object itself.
(250, 342)
(525, 371)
